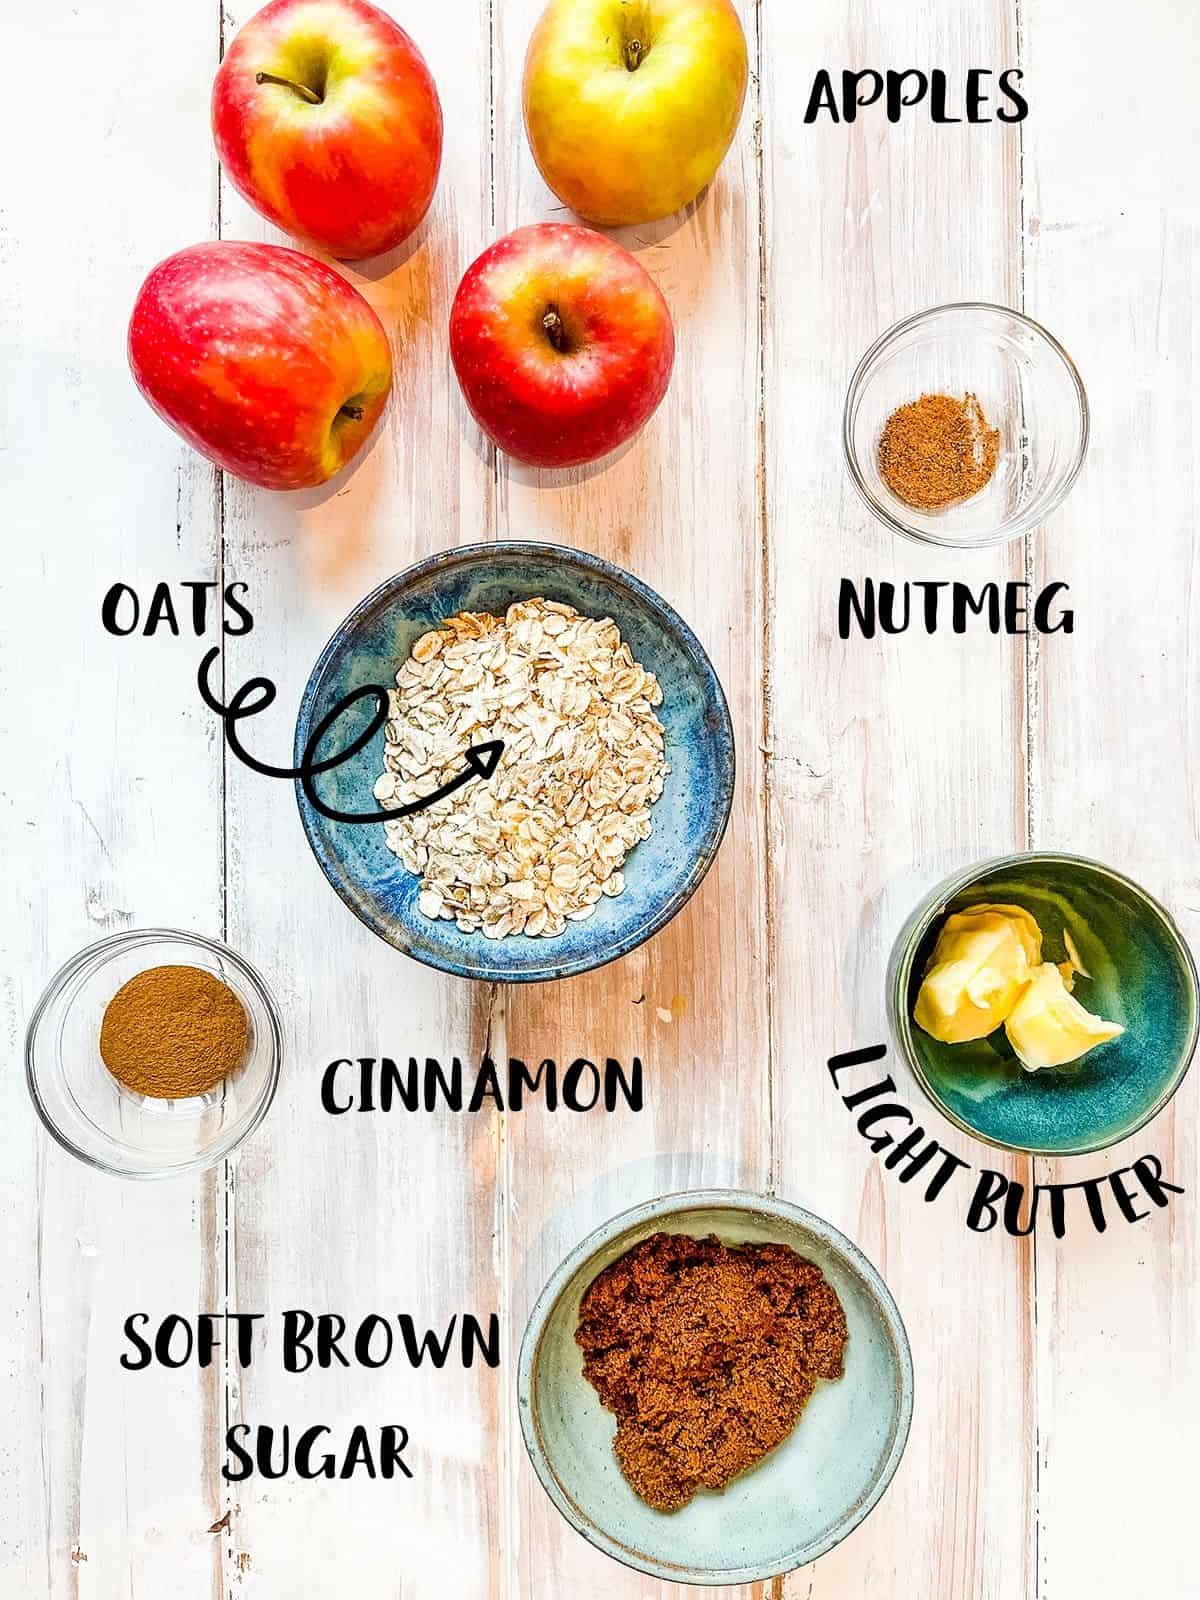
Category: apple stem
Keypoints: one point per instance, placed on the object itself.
(633, 54)
(301, 89)
(555, 328)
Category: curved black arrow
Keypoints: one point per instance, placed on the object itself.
(481, 759)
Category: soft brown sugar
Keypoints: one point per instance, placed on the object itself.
(938, 450)
(707, 1354)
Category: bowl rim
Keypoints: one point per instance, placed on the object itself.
(446, 560)
(753, 1203)
(917, 925)
(1021, 525)
(131, 938)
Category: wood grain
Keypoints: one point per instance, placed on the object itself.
(1112, 267)
(104, 828)
(680, 508)
(364, 1214)
(891, 762)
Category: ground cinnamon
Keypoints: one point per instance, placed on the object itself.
(707, 1354)
(938, 450)
(173, 1032)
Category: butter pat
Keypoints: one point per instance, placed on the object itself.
(1049, 1028)
(982, 961)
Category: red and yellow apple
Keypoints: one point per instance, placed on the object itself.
(328, 122)
(266, 361)
(562, 343)
(631, 105)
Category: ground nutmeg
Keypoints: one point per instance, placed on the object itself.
(173, 1032)
(707, 1354)
(937, 450)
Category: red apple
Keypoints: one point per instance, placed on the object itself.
(328, 122)
(266, 361)
(562, 343)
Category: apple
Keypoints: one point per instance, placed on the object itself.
(266, 361)
(631, 107)
(327, 121)
(562, 343)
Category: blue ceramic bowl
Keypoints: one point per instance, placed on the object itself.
(689, 820)
(799, 1501)
(1142, 976)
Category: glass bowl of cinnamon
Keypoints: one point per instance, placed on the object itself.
(965, 425)
(153, 1053)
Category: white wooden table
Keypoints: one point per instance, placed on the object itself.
(1056, 1381)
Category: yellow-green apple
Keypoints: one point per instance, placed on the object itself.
(631, 105)
(328, 122)
(266, 361)
(562, 343)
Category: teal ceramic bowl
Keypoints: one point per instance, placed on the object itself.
(1142, 976)
(793, 1506)
(661, 873)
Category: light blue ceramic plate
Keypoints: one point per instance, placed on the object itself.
(689, 820)
(1142, 976)
(799, 1501)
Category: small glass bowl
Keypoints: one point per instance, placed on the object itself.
(96, 1117)
(1027, 386)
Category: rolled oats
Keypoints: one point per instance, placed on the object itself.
(545, 838)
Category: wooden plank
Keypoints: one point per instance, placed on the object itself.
(892, 762)
(364, 1214)
(1112, 263)
(111, 794)
(680, 509)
